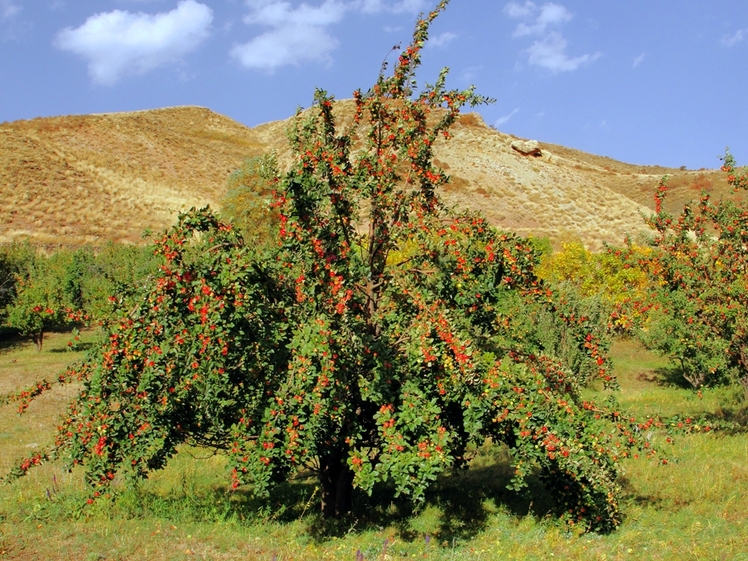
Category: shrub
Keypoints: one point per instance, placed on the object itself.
(249, 201)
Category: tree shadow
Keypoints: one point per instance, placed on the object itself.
(729, 420)
(671, 376)
(79, 347)
(665, 376)
(632, 495)
(11, 341)
(464, 500)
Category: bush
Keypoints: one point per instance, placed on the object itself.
(249, 201)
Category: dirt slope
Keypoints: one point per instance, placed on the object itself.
(96, 177)
(86, 179)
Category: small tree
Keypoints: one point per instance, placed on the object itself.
(375, 342)
(41, 301)
(701, 299)
(14, 259)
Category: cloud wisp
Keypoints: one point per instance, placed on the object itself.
(296, 35)
(442, 40)
(549, 49)
(504, 118)
(735, 38)
(8, 9)
(120, 43)
(399, 7)
(301, 33)
(538, 19)
(10, 28)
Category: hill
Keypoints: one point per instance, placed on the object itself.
(85, 179)
(91, 178)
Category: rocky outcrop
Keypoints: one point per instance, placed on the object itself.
(527, 148)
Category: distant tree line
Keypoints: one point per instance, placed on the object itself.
(43, 290)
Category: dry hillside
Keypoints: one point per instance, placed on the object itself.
(97, 177)
(86, 179)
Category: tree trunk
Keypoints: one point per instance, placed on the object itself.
(337, 484)
(38, 338)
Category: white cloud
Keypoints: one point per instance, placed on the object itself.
(279, 13)
(553, 14)
(296, 35)
(442, 39)
(735, 38)
(548, 15)
(638, 60)
(286, 45)
(516, 11)
(504, 118)
(549, 48)
(402, 6)
(550, 53)
(301, 33)
(119, 43)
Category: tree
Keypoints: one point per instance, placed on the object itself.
(114, 269)
(42, 300)
(615, 278)
(374, 342)
(14, 259)
(701, 266)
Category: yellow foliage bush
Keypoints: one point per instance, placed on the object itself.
(618, 276)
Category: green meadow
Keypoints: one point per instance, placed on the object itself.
(693, 507)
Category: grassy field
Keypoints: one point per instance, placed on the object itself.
(696, 507)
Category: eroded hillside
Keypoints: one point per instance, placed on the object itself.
(86, 179)
(97, 177)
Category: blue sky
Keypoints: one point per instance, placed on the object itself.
(643, 81)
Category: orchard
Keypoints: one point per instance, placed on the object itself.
(375, 340)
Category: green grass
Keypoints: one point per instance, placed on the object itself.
(696, 507)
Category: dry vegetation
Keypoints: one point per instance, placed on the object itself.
(85, 179)
(98, 177)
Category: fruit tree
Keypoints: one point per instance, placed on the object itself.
(374, 342)
(700, 265)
